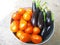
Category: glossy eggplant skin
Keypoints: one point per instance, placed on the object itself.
(48, 18)
(47, 31)
(43, 33)
(33, 6)
(48, 26)
(34, 19)
(41, 20)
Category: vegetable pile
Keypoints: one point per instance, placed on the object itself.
(32, 25)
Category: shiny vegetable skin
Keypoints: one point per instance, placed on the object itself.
(47, 32)
(48, 26)
(48, 18)
(34, 18)
(33, 6)
(41, 20)
(43, 32)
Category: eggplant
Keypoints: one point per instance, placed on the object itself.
(41, 20)
(48, 32)
(34, 18)
(44, 30)
(43, 33)
(48, 18)
(33, 6)
(48, 26)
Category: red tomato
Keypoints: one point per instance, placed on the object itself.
(26, 17)
(16, 16)
(29, 11)
(29, 24)
(14, 26)
(19, 33)
(23, 24)
(25, 37)
(36, 30)
(21, 11)
(36, 39)
(29, 29)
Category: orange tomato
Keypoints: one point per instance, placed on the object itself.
(14, 26)
(16, 16)
(25, 37)
(26, 17)
(19, 33)
(29, 29)
(29, 11)
(21, 11)
(23, 24)
(29, 24)
(36, 39)
(36, 30)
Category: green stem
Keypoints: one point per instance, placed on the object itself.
(44, 4)
(44, 13)
(52, 15)
(38, 3)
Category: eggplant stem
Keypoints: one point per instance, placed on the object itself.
(46, 8)
(52, 15)
(44, 4)
(38, 3)
(44, 16)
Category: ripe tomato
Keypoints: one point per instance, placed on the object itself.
(26, 17)
(36, 30)
(21, 11)
(36, 39)
(16, 16)
(23, 24)
(19, 33)
(29, 24)
(25, 37)
(29, 11)
(14, 26)
(29, 29)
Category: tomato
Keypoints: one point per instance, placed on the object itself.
(29, 29)
(14, 26)
(36, 30)
(36, 39)
(25, 37)
(29, 24)
(16, 16)
(29, 11)
(19, 33)
(26, 17)
(23, 24)
(21, 11)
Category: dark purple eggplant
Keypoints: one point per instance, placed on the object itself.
(44, 30)
(34, 19)
(34, 6)
(48, 29)
(43, 33)
(47, 32)
(48, 18)
(41, 20)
